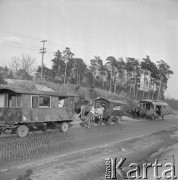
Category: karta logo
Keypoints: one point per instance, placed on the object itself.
(114, 169)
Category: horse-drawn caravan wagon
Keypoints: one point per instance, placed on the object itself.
(153, 108)
(100, 111)
(22, 110)
(112, 109)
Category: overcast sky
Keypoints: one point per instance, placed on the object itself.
(119, 28)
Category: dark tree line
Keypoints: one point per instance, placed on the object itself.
(138, 78)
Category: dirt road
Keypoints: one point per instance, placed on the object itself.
(82, 152)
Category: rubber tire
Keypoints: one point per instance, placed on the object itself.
(153, 117)
(119, 119)
(64, 127)
(110, 120)
(22, 131)
(44, 130)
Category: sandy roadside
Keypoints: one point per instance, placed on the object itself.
(166, 155)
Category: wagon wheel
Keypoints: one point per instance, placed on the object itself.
(22, 131)
(64, 127)
(110, 120)
(153, 117)
(44, 127)
(119, 119)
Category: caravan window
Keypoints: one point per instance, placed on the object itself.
(44, 101)
(15, 101)
(147, 106)
(41, 101)
(103, 104)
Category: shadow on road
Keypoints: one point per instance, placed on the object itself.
(26, 176)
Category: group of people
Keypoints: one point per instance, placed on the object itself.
(89, 113)
(138, 112)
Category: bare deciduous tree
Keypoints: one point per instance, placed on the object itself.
(24, 63)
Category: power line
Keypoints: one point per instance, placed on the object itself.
(27, 37)
(10, 41)
(31, 49)
(21, 45)
(20, 34)
(17, 43)
(23, 35)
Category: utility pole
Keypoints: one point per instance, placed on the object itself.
(43, 51)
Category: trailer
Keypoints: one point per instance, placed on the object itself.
(153, 108)
(113, 109)
(23, 110)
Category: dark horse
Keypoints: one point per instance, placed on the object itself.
(135, 112)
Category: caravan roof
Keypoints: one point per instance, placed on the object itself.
(154, 102)
(21, 90)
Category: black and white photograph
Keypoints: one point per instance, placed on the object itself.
(88, 89)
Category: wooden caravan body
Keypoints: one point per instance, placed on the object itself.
(20, 106)
(153, 108)
(111, 107)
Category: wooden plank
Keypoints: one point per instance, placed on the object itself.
(26, 101)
